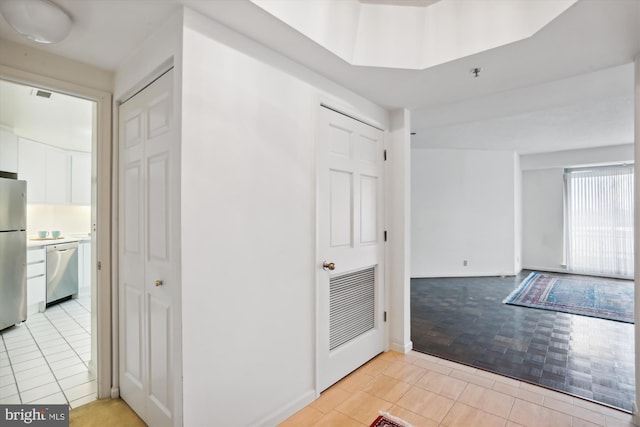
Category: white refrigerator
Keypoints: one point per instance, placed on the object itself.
(13, 251)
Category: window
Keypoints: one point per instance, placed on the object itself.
(599, 220)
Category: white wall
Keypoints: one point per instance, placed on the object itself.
(69, 219)
(517, 217)
(248, 120)
(248, 235)
(398, 248)
(543, 202)
(463, 207)
(542, 219)
(580, 157)
(637, 228)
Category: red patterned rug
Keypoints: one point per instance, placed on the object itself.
(387, 420)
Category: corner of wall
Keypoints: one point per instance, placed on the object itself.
(403, 348)
(162, 45)
(398, 203)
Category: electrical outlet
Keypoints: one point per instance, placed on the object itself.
(464, 262)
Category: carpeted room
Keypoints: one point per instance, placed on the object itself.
(498, 213)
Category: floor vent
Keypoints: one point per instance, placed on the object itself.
(351, 306)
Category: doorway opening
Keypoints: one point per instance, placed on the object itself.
(49, 140)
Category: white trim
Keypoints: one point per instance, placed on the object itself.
(115, 392)
(565, 271)
(351, 116)
(436, 276)
(549, 269)
(340, 107)
(284, 412)
(154, 75)
(402, 348)
(102, 285)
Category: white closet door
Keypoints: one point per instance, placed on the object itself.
(351, 237)
(150, 340)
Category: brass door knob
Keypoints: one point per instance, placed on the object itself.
(158, 282)
(328, 266)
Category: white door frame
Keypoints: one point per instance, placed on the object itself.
(337, 106)
(103, 231)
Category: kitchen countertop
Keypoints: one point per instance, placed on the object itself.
(31, 243)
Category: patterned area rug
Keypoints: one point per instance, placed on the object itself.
(388, 420)
(587, 296)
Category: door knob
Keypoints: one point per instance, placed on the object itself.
(328, 266)
(158, 282)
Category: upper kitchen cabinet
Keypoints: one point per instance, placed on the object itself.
(8, 151)
(80, 178)
(58, 175)
(32, 165)
(53, 175)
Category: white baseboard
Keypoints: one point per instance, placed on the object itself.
(548, 269)
(287, 410)
(115, 392)
(483, 274)
(402, 348)
(564, 270)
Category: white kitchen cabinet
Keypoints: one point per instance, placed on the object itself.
(36, 280)
(53, 175)
(32, 163)
(80, 178)
(58, 190)
(8, 151)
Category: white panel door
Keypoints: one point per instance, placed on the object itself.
(150, 343)
(351, 239)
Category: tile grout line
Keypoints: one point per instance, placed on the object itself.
(65, 339)
(72, 348)
(45, 361)
(4, 343)
(45, 356)
(72, 317)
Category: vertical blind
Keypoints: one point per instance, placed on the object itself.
(599, 220)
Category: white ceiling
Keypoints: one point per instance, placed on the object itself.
(61, 120)
(497, 110)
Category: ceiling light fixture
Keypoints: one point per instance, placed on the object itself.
(38, 20)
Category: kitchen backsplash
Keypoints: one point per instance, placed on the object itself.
(69, 219)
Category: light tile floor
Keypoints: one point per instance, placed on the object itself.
(45, 359)
(427, 392)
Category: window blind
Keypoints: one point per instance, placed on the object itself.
(599, 220)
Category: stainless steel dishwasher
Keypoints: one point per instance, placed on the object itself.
(62, 271)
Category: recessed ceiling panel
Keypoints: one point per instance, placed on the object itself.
(415, 34)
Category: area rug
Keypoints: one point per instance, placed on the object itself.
(587, 296)
(388, 420)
